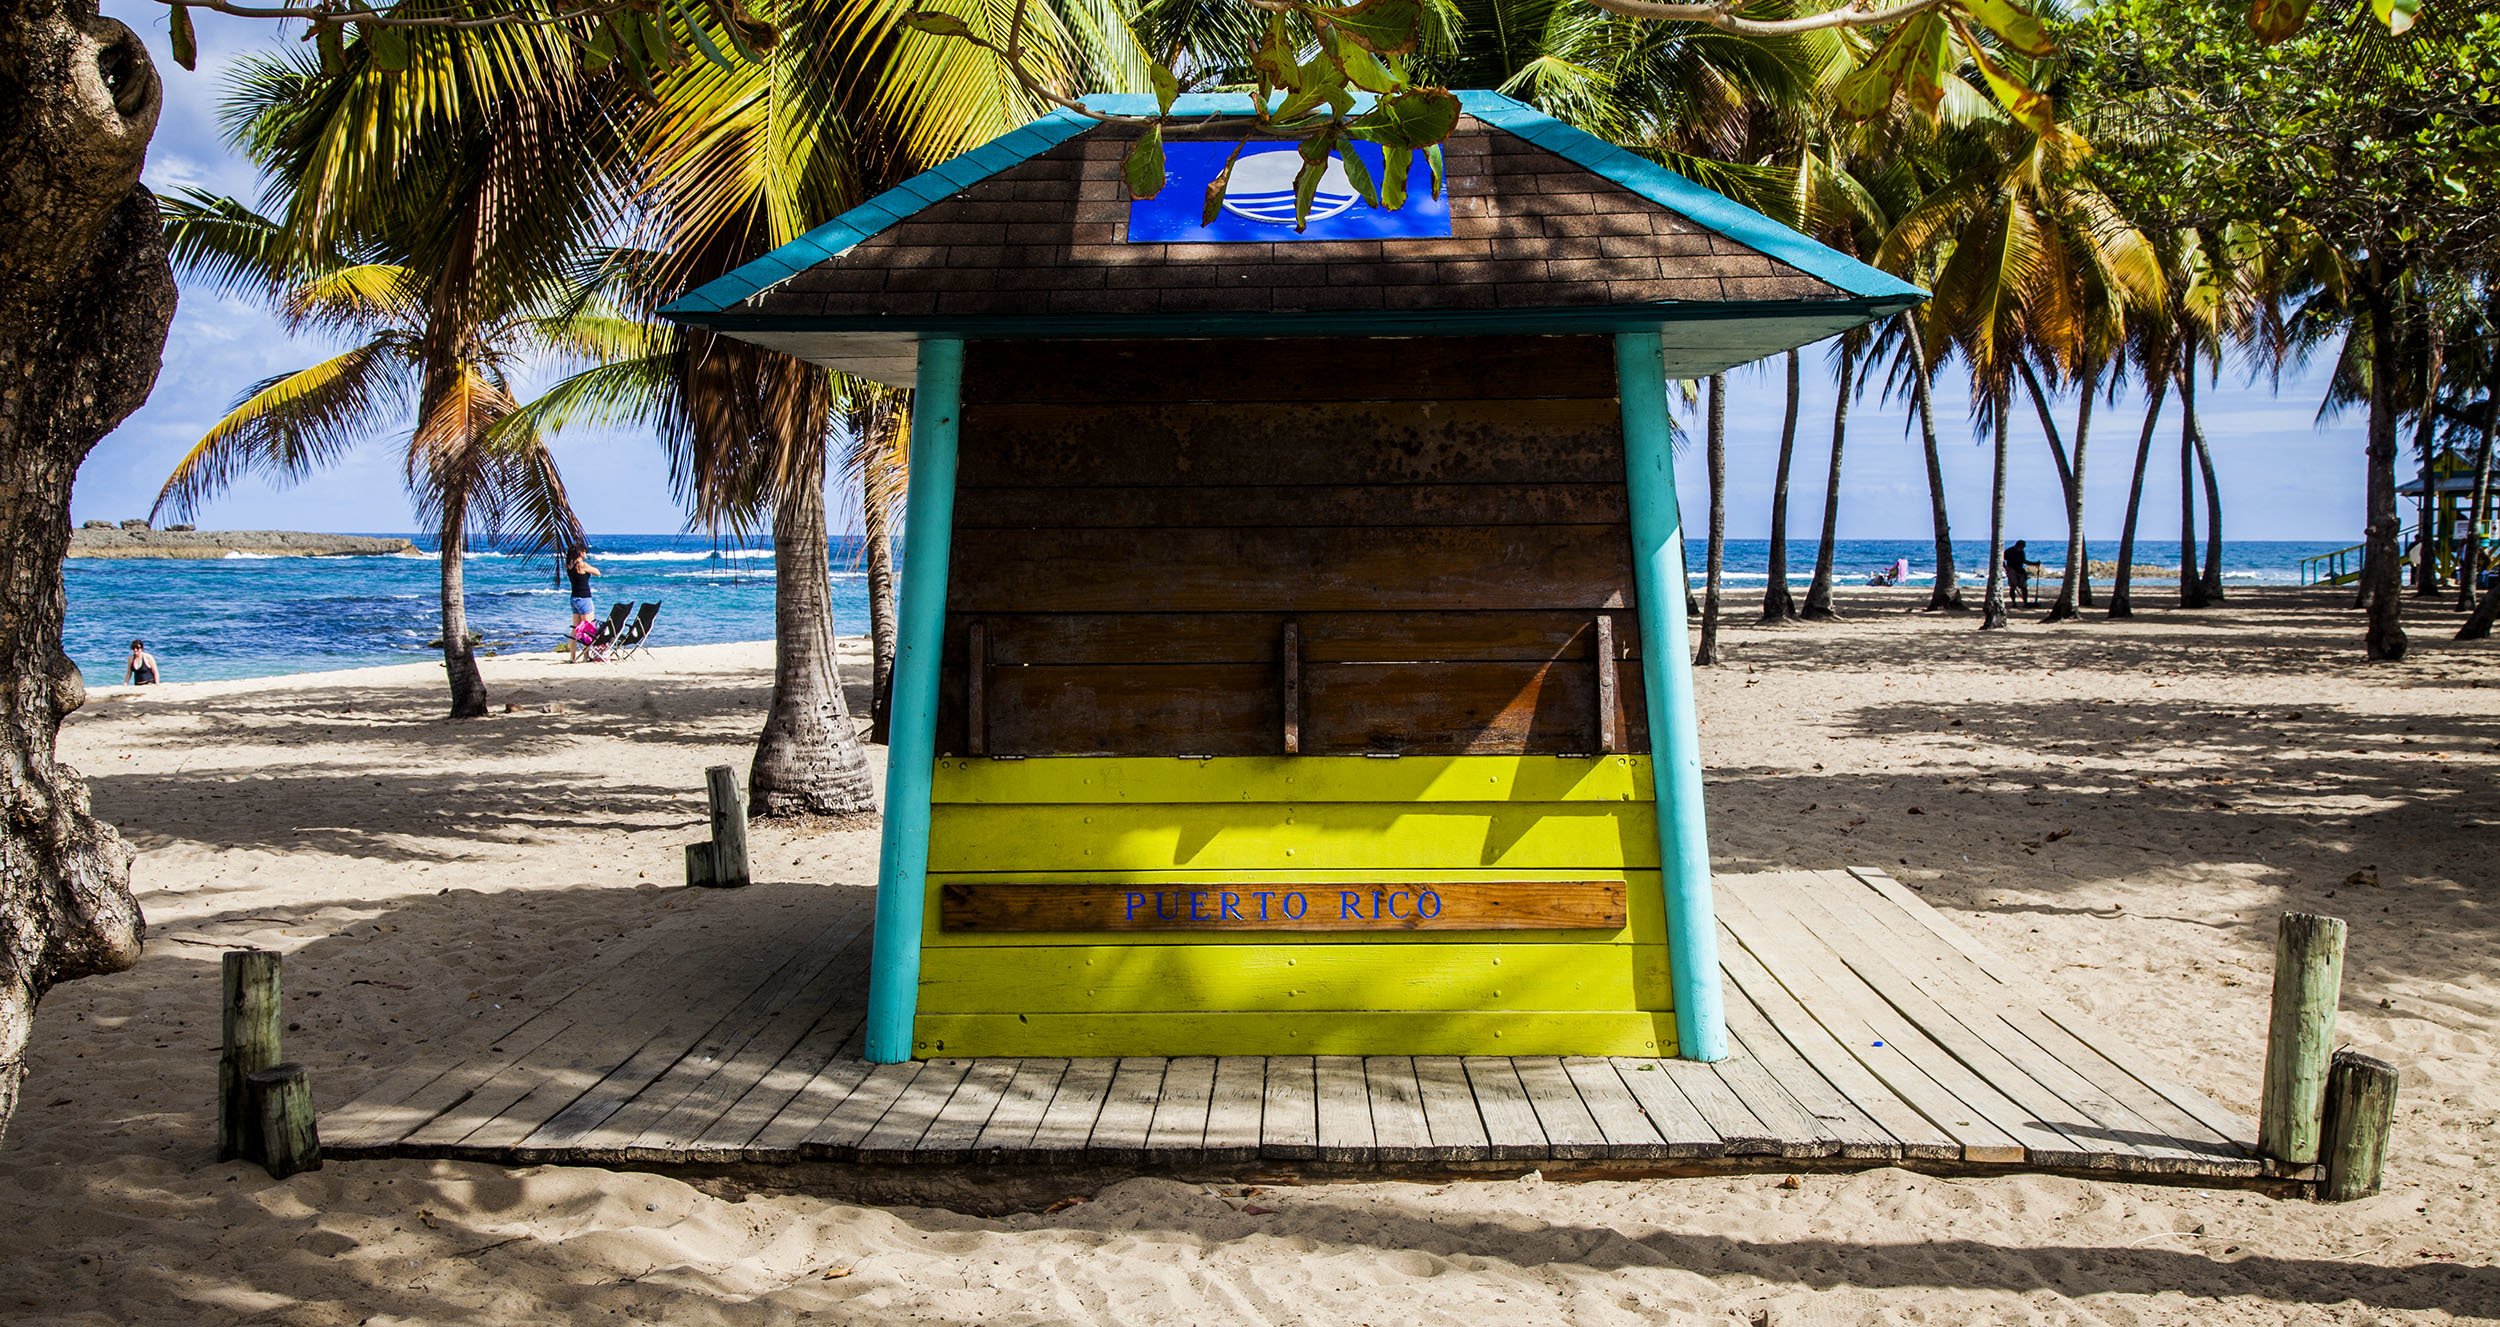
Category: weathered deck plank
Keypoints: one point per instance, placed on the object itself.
(1863, 1025)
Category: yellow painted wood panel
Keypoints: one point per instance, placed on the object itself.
(1150, 978)
(1164, 780)
(1279, 836)
(1439, 1033)
(1643, 900)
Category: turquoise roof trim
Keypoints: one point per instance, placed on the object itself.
(838, 235)
(1642, 176)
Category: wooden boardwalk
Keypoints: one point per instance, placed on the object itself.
(1867, 1030)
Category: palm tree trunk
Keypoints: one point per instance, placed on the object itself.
(1819, 594)
(2071, 484)
(877, 526)
(1946, 594)
(2081, 554)
(2470, 556)
(1717, 558)
(1992, 606)
(1778, 605)
(809, 760)
(2382, 574)
(2191, 585)
(2426, 581)
(2210, 585)
(468, 686)
(2120, 602)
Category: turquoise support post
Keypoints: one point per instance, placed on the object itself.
(1667, 675)
(911, 745)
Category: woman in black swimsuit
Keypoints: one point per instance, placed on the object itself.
(579, 570)
(141, 670)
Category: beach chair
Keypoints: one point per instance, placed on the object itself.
(636, 632)
(597, 648)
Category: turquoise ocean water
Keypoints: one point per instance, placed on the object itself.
(264, 616)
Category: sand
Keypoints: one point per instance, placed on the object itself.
(2120, 810)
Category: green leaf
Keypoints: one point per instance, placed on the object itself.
(599, 46)
(186, 42)
(2028, 105)
(1432, 157)
(1143, 166)
(1363, 69)
(1385, 27)
(2275, 20)
(1315, 154)
(1417, 117)
(936, 24)
(1910, 62)
(657, 45)
(1216, 187)
(686, 10)
(332, 46)
(389, 44)
(2398, 15)
(1394, 164)
(2014, 25)
(1167, 87)
(1359, 175)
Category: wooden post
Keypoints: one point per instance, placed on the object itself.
(282, 1117)
(2360, 1109)
(1290, 697)
(700, 870)
(1609, 725)
(251, 1044)
(729, 828)
(2308, 978)
(1661, 591)
(911, 749)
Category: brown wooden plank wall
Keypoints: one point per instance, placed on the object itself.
(1437, 526)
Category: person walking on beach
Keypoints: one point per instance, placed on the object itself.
(2018, 572)
(579, 570)
(141, 670)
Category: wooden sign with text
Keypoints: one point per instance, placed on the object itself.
(1473, 906)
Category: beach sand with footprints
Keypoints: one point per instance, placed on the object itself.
(2119, 810)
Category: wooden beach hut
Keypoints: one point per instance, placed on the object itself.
(1293, 657)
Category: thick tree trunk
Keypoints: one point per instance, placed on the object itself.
(468, 686)
(2191, 585)
(1819, 594)
(86, 296)
(2478, 627)
(1992, 607)
(1778, 605)
(1946, 593)
(2382, 570)
(809, 760)
(2210, 583)
(2470, 555)
(877, 524)
(1716, 560)
(2121, 604)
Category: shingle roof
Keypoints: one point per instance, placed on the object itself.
(1550, 230)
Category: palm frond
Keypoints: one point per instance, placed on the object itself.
(289, 425)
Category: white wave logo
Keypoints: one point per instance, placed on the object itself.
(1261, 188)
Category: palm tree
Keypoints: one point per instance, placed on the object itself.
(1818, 605)
(1715, 560)
(396, 219)
(1778, 604)
(877, 420)
(2030, 261)
(731, 161)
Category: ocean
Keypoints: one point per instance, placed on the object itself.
(250, 616)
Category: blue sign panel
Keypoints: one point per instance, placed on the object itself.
(1258, 204)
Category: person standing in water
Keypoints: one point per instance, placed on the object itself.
(579, 570)
(141, 670)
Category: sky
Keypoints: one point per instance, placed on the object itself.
(2283, 473)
